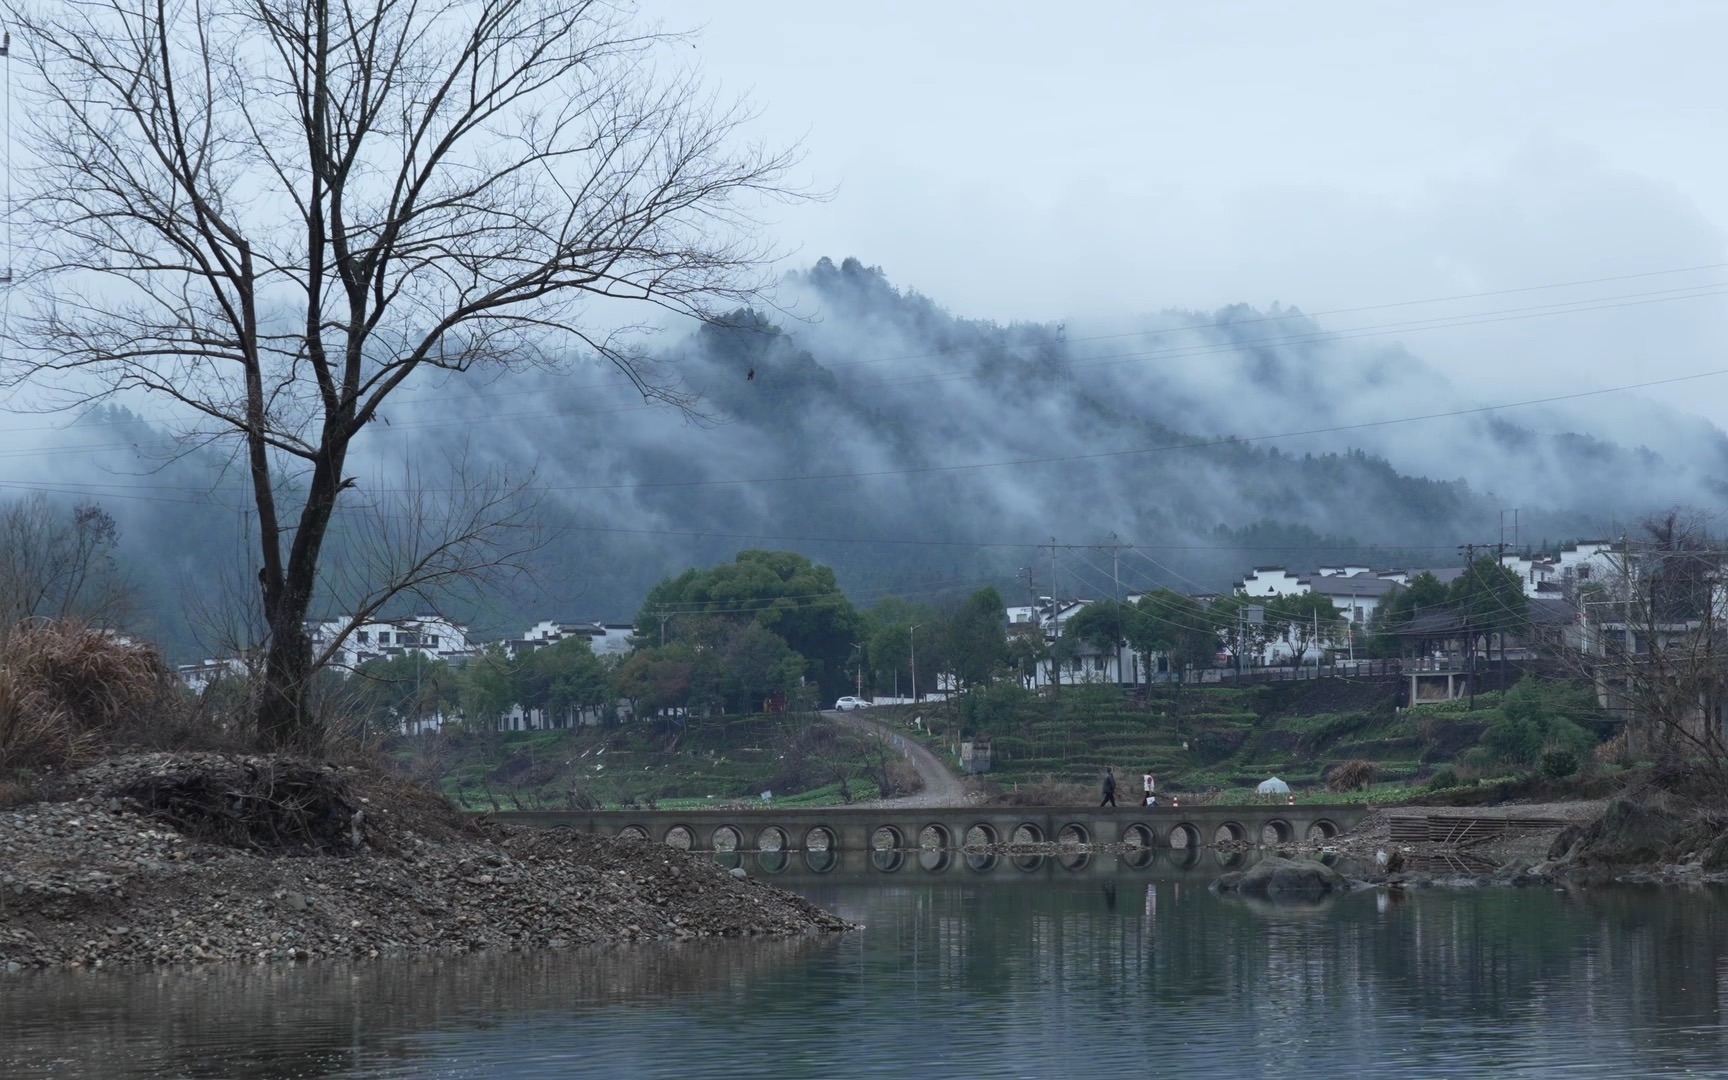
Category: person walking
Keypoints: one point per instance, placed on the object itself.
(1109, 788)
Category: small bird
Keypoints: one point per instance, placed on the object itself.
(1380, 857)
(750, 376)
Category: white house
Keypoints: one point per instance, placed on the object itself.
(1271, 581)
(606, 639)
(432, 636)
(199, 676)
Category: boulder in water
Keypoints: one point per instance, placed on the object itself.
(1274, 876)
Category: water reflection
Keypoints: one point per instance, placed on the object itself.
(886, 866)
(960, 973)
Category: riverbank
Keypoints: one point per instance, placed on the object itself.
(1644, 835)
(197, 858)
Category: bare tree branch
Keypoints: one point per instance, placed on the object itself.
(272, 214)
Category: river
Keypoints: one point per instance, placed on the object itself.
(1115, 971)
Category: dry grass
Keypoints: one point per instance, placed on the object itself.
(66, 689)
(1352, 775)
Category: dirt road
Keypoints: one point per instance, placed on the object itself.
(941, 786)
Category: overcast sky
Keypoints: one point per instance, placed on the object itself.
(1121, 158)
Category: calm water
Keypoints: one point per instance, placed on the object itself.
(1112, 972)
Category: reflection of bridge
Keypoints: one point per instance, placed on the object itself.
(841, 830)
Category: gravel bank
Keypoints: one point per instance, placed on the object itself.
(197, 858)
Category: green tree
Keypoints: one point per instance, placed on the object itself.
(560, 681)
(1539, 717)
(757, 664)
(1306, 618)
(1490, 599)
(890, 640)
(1401, 604)
(1177, 626)
(977, 638)
(1241, 635)
(781, 591)
(397, 690)
(487, 687)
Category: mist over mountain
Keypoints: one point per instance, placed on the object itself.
(923, 454)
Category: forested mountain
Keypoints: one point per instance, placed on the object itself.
(923, 454)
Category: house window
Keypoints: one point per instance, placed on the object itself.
(1583, 573)
(364, 636)
(434, 641)
(383, 637)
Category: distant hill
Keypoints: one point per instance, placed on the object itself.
(922, 453)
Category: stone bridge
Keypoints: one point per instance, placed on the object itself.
(842, 830)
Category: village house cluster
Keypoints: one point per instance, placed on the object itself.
(1552, 586)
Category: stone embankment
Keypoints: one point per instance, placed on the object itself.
(1645, 836)
(195, 858)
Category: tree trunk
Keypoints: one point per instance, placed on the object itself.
(283, 723)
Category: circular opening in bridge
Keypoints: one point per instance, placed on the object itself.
(773, 838)
(1229, 859)
(935, 861)
(1074, 860)
(772, 862)
(1028, 864)
(981, 835)
(1322, 830)
(886, 838)
(633, 832)
(887, 860)
(821, 838)
(1073, 835)
(1026, 834)
(934, 837)
(1275, 832)
(729, 859)
(1185, 836)
(980, 862)
(1137, 843)
(680, 837)
(820, 860)
(1231, 832)
(1185, 857)
(727, 838)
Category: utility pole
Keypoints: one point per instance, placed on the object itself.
(859, 649)
(663, 617)
(1469, 551)
(912, 643)
(1055, 628)
(1115, 547)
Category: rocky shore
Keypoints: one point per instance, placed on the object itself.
(200, 858)
(1645, 836)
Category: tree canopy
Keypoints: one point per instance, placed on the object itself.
(780, 591)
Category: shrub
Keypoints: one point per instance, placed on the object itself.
(1352, 775)
(66, 688)
(1559, 764)
(1443, 779)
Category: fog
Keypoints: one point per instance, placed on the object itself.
(1237, 285)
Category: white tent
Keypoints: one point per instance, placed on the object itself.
(1274, 786)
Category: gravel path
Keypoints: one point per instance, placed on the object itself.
(941, 786)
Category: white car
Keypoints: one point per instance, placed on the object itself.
(850, 702)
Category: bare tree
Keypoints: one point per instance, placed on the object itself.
(58, 562)
(275, 213)
(1656, 642)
